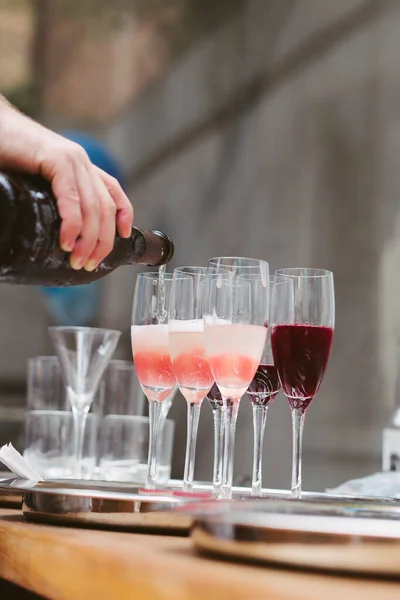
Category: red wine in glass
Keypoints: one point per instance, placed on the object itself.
(301, 353)
(265, 386)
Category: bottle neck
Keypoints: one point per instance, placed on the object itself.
(151, 248)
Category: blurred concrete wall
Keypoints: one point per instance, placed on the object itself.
(277, 137)
(16, 32)
(85, 52)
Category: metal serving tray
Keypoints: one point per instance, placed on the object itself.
(9, 498)
(128, 506)
(343, 536)
(102, 504)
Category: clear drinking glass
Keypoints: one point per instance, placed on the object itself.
(121, 390)
(235, 314)
(49, 447)
(124, 449)
(45, 385)
(84, 353)
(150, 348)
(302, 325)
(188, 354)
(122, 394)
(49, 425)
(46, 388)
(262, 391)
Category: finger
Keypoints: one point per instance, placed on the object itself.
(124, 208)
(106, 239)
(65, 189)
(90, 205)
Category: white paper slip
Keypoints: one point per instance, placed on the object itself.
(10, 457)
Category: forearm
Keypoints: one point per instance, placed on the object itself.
(19, 138)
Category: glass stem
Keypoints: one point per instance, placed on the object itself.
(80, 418)
(155, 410)
(161, 424)
(218, 449)
(230, 417)
(259, 421)
(297, 426)
(193, 414)
(166, 405)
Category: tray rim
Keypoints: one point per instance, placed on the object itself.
(92, 486)
(347, 552)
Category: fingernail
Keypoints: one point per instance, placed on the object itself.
(67, 246)
(76, 263)
(90, 265)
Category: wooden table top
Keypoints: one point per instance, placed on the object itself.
(65, 563)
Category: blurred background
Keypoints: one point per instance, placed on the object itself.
(262, 128)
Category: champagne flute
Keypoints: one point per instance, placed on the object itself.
(188, 355)
(236, 310)
(262, 391)
(302, 326)
(150, 348)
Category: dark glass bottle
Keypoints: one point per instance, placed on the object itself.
(29, 239)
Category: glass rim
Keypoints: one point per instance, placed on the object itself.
(193, 267)
(74, 328)
(255, 261)
(154, 275)
(303, 272)
(51, 412)
(273, 279)
(138, 418)
(189, 272)
(44, 358)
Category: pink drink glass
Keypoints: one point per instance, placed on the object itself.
(235, 314)
(187, 348)
(150, 348)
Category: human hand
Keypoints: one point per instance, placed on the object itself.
(91, 203)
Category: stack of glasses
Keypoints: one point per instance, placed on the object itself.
(221, 331)
(116, 435)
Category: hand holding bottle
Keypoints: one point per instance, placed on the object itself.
(91, 203)
(30, 226)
